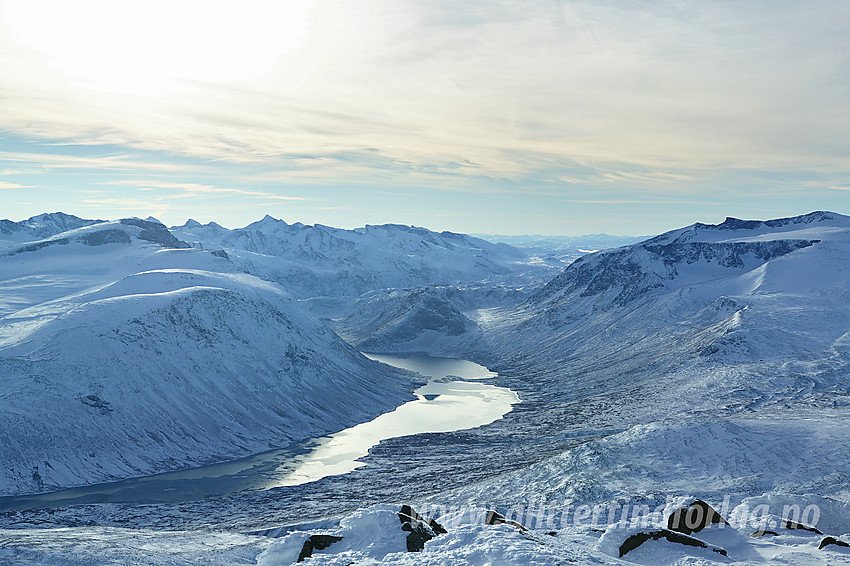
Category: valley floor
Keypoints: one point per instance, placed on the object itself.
(546, 452)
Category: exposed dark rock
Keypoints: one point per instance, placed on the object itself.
(97, 403)
(437, 527)
(799, 526)
(636, 271)
(220, 253)
(417, 538)
(316, 542)
(832, 540)
(155, 233)
(420, 531)
(694, 518)
(638, 539)
(737, 224)
(101, 237)
(37, 479)
(758, 534)
(494, 518)
(40, 245)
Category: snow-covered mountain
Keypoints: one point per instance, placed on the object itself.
(688, 256)
(440, 320)
(425, 319)
(705, 280)
(706, 363)
(124, 352)
(707, 320)
(39, 227)
(318, 261)
(709, 361)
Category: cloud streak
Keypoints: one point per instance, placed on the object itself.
(6, 185)
(63, 161)
(192, 190)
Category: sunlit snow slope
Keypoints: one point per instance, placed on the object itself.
(715, 360)
(125, 352)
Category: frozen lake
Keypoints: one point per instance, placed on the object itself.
(453, 399)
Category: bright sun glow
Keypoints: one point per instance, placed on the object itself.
(155, 47)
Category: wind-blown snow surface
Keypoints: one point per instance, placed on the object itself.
(374, 536)
(122, 354)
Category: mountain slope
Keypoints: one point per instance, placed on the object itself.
(703, 280)
(316, 261)
(39, 227)
(123, 354)
(712, 360)
(707, 362)
(425, 319)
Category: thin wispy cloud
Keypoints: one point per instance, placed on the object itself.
(125, 206)
(7, 185)
(190, 190)
(656, 176)
(57, 161)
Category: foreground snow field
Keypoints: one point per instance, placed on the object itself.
(708, 363)
(375, 536)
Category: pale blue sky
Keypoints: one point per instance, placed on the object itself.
(553, 117)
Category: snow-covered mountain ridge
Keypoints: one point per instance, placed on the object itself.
(709, 361)
(770, 291)
(317, 261)
(40, 226)
(664, 279)
(125, 352)
(691, 255)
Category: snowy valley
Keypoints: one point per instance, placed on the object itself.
(706, 364)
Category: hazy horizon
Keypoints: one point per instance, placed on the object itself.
(484, 235)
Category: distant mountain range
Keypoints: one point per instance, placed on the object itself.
(320, 261)
(40, 226)
(169, 348)
(165, 348)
